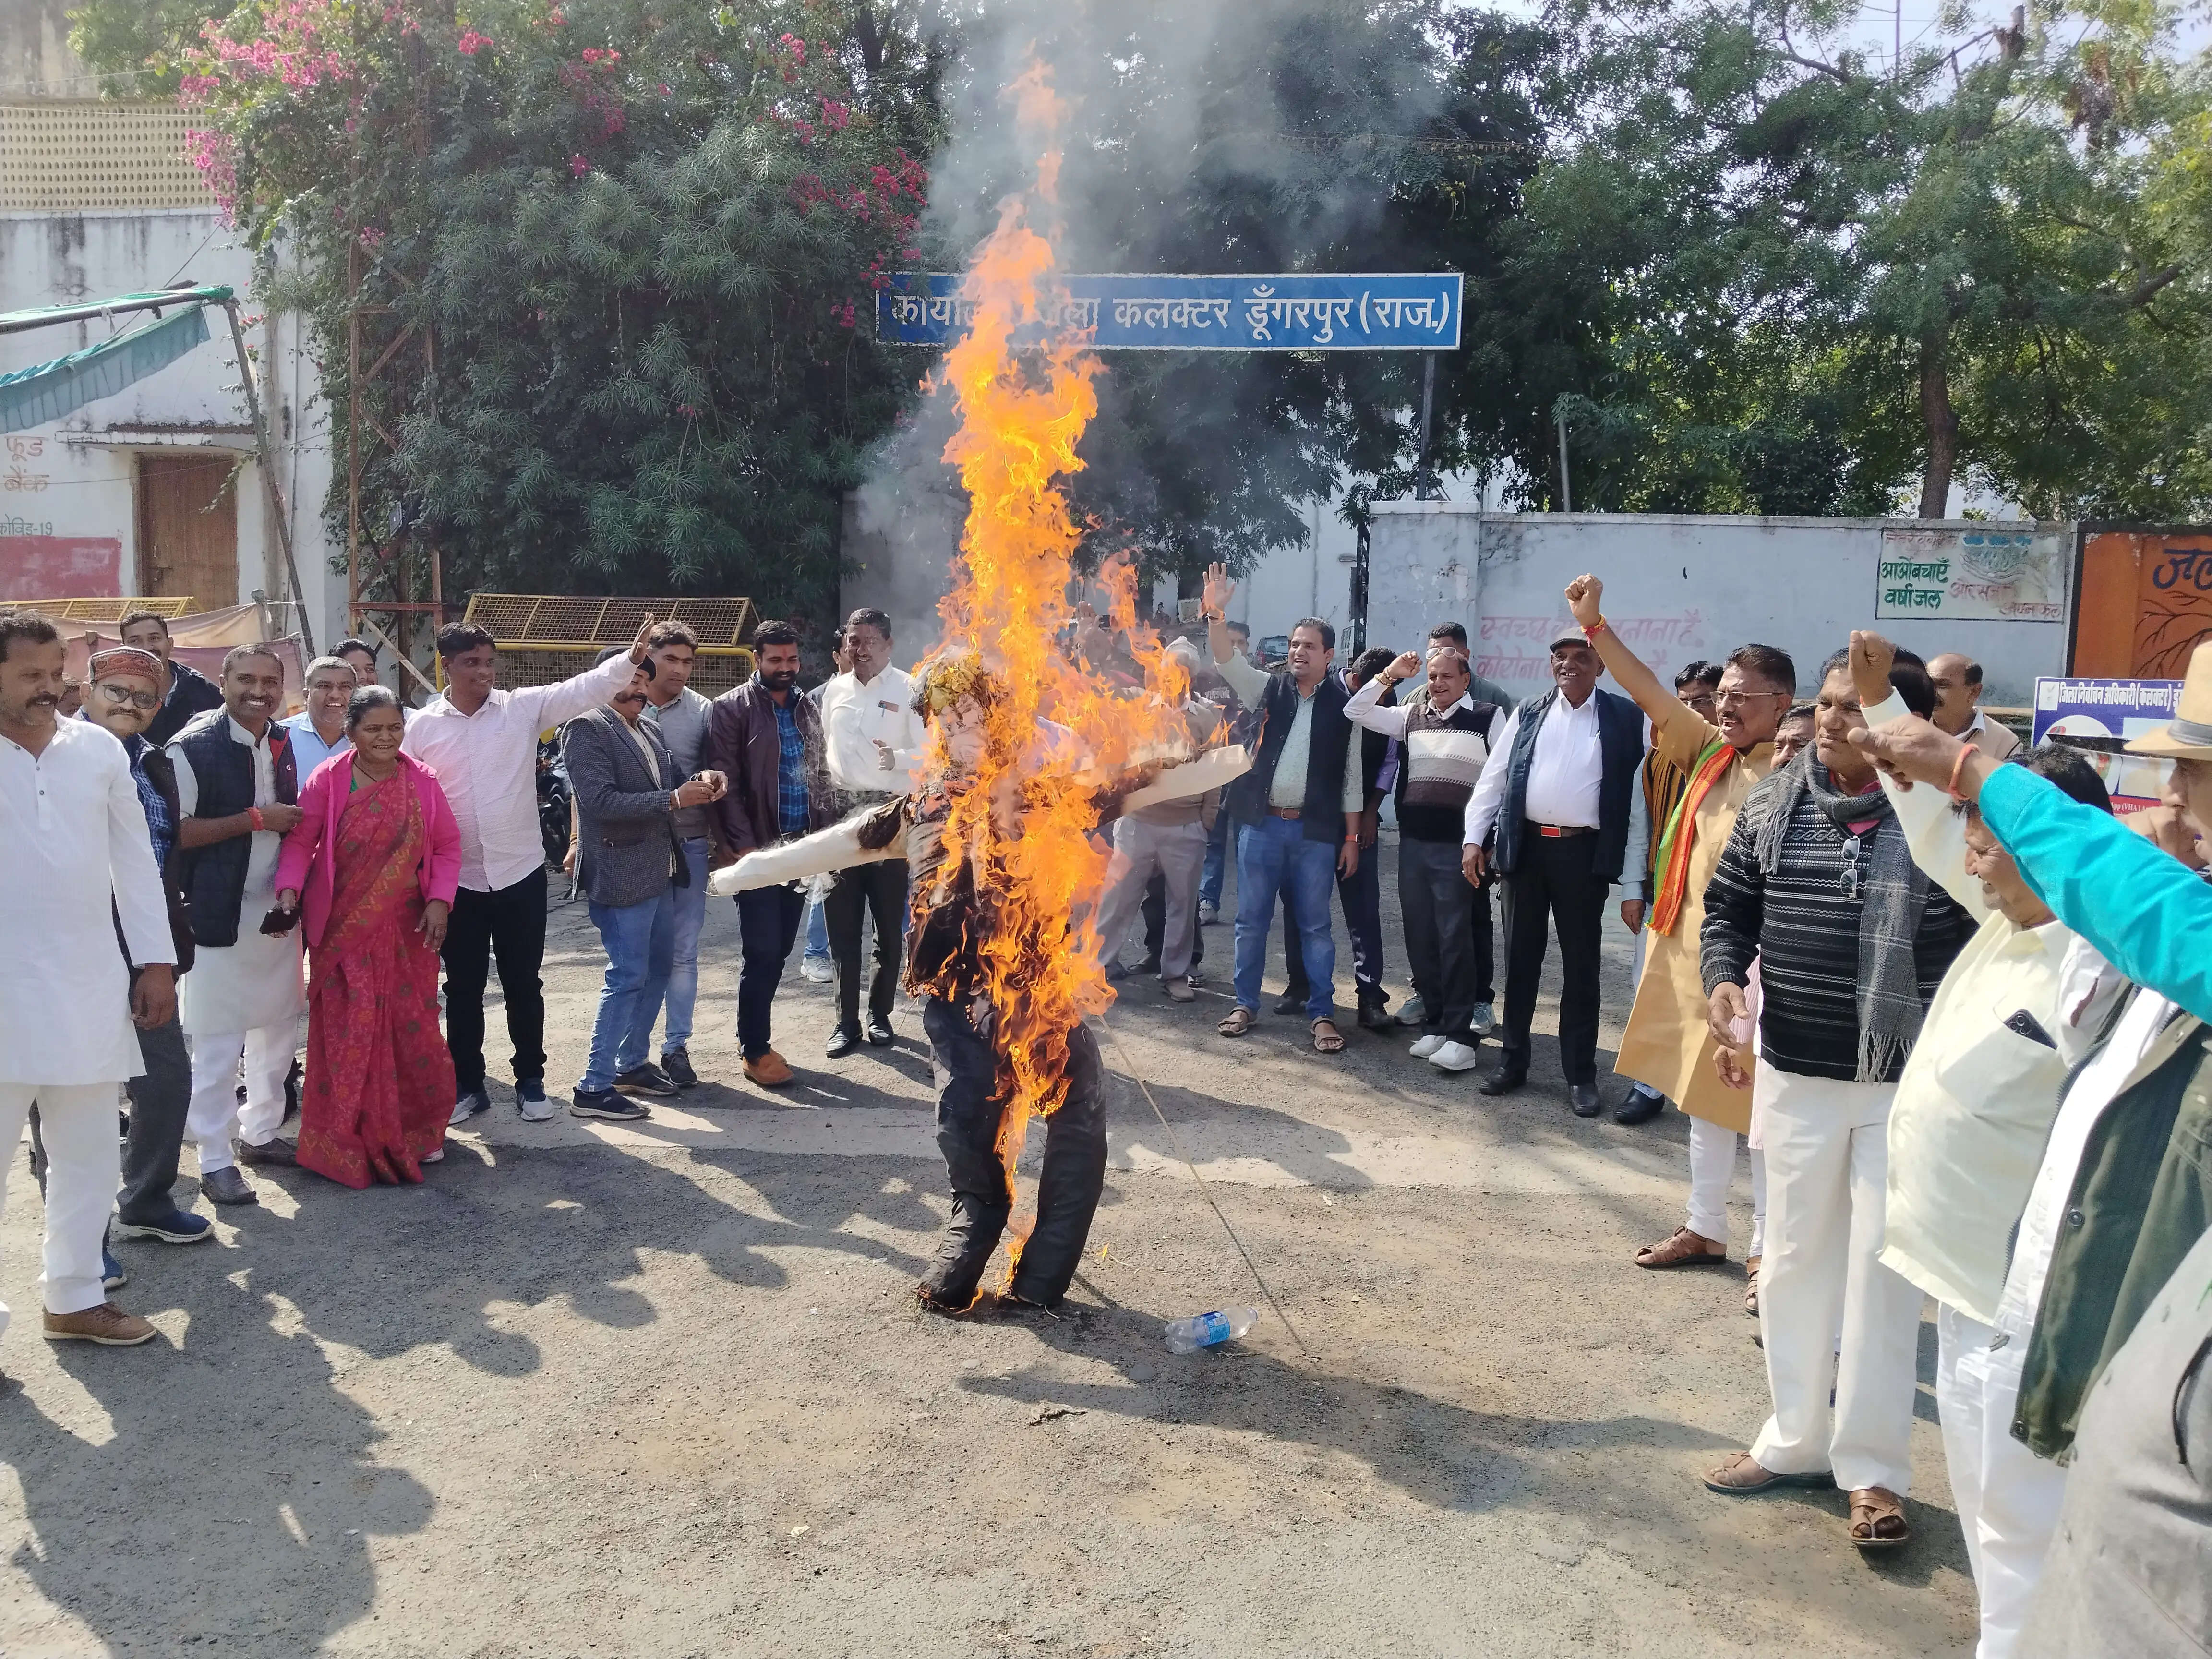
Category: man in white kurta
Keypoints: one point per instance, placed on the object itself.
(242, 1000)
(75, 857)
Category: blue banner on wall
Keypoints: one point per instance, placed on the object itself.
(1121, 313)
(2100, 715)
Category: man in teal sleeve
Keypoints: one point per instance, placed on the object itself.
(2123, 1196)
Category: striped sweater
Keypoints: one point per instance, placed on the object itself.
(1444, 762)
(1806, 934)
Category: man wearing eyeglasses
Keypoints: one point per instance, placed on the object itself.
(1852, 938)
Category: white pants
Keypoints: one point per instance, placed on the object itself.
(1177, 851)
(2008, 1498)
(76, 1121)
(215, 1112)
(1712, 1167)
(1827, 1158)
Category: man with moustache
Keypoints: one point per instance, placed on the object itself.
(75, 863)
(680, 714)
(765, 738)
(319, 731)
(1555, 793)
(237, 787)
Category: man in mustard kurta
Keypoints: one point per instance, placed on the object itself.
(1668, 1045)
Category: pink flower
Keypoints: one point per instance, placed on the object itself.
(795, 46)
(578, 167)
(471, 42)
(834, 115)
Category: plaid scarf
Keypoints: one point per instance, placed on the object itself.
(1891, 892)
(1673, 866)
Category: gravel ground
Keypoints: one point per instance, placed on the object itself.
(662, 1389)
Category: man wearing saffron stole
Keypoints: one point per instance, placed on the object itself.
(1668, 1044)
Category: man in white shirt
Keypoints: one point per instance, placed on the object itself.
(319, 731)
(1555, 793)
(875, 742)
(483, 744)
(75, 860)
(1958, 682)
(237, 790)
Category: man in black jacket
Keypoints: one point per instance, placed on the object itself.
(1360, 893)
(185, 690)
(765, 738)
(1555, 794)
(1298, 810)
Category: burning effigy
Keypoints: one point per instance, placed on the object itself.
(1031, 753)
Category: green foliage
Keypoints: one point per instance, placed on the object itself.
(617, 265)
(1815, 280)
(140, 44)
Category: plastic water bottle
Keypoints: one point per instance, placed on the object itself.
(1205, 1330)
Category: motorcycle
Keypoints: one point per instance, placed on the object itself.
(553, 799)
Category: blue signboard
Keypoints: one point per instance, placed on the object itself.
(1205, 314)
(2100, 715)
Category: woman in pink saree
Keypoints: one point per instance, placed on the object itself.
(375, 861)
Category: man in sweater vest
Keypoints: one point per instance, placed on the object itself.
(237, 784)
(1555, 793)
(1298, 810)
(1446, 733)
(1852, 938)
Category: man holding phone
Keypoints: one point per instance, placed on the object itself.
(237, 784)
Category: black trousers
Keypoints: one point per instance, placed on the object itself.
(856, 893)
(969, 1105)
(768, 925)
(1154, 910)
(1361, 896)
(1483, 945)
(1555, 883)
(508, 925)
(159, 1102)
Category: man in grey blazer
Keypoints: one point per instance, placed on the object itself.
(629, 864)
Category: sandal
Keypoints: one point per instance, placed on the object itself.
(1878, 1519)
(1240, 1021)
(1681, 1249)
(1328, 1042)
(1751, 1286)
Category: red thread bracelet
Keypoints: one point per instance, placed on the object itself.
(1591, 630)
(253, 817)
(1965, 752)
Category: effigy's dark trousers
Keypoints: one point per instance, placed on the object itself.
(969, 1105)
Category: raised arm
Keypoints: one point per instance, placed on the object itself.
(555, 705)
(2147, 912)
(1366, 708)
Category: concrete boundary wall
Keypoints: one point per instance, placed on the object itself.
(1676, 587)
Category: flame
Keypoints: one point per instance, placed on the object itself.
(1026, 819)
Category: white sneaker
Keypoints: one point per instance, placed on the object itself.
(817, 970)
(539, 1110)
(1427, 1045)
(1454, 1057)
(1485, 1022)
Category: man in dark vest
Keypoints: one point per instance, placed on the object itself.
(237, 790)
(1550, 816)
(1298, 810)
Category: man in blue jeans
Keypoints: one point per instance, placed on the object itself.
(765, 737)
(1298, 810)
(679, 715)
(629, 864)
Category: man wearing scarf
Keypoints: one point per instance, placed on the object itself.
(1668, 1045)
(1816, 880)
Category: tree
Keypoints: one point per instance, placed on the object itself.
(1871, 273)
(641, 246)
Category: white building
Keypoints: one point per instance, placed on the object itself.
(156, 491)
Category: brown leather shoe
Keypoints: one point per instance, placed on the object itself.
(275, 1150)
(1740, 1476)
(107, 1324)
(770, 1070)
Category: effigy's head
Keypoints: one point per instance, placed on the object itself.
(957, 695)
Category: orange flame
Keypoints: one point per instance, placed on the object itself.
(1022, 385)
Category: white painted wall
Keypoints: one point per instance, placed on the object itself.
(79, 479)
(1678, 587)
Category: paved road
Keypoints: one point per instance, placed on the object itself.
(662, 1389)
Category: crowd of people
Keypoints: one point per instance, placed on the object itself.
(1955, 1005)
